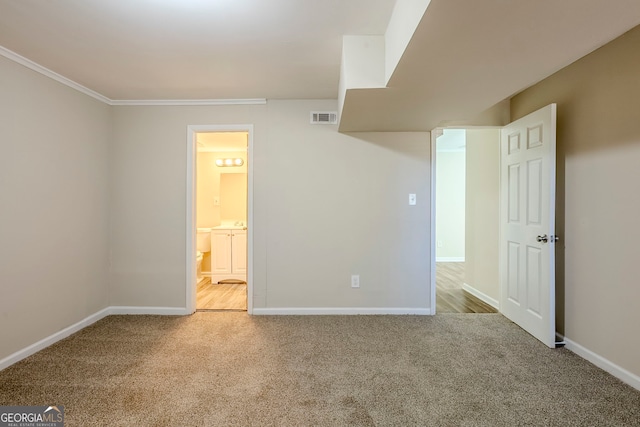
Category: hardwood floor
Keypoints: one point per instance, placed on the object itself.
(221, 296)
(450, 297)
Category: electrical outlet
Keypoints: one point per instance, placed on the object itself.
(355, 280)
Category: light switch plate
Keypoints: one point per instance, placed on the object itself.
(412, 199)
(355, 280)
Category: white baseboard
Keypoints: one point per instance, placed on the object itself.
(52, 339)
(163, 311)
(625, 376)
(177, 311)
(622, 374)
(340, 311)
(449, 259)
(482, 296)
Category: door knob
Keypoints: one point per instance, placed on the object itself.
(542, 239)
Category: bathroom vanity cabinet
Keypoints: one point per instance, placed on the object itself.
(228, 254)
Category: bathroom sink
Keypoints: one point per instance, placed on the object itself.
(231, 225)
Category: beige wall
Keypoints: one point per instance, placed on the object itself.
(450, 200)
(482, 211)
(326, 205)
(338, 205)
(598, 138)
(148, 197)
(53, 206)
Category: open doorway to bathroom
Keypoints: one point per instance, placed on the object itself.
(221, 219)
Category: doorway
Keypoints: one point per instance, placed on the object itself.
(466, 210)
(220, 220)
(516, 239)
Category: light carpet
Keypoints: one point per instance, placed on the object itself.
(231, 369)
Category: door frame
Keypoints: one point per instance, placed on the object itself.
(435, 133)
(190, 280)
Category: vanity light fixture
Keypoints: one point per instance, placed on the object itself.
(230, 162)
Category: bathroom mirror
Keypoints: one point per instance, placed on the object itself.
(233, 196)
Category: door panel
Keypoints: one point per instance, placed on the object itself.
(534, 192)
(527, 186)
(514, 193)
(239, 252)
(534, 280)
(221, 252)
(513, 272)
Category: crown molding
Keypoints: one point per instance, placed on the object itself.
(183, 102)
(11, 55)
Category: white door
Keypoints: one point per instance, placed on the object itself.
(527, 224)
(220, 252)
(239, 252)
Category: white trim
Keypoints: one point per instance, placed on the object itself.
(162, 311)
(435, 133)
(250, 221)
(52, 339)
(342, 311)
(51, 74)
(482, 296)
(190, 281)
(190, 231)
(19, 59)
(625, 376)
(622, 374)
(450, 259)
(188, 102)
(179, 311)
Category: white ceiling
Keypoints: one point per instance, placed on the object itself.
(465, 56)
(192, 49)
(468, 55)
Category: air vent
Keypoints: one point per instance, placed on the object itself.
(324, 117)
